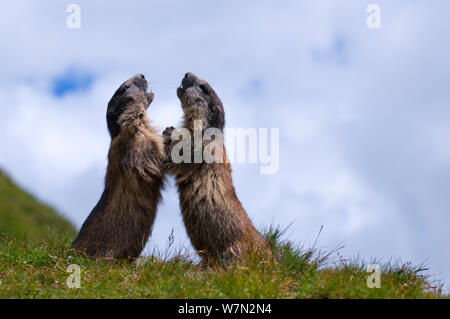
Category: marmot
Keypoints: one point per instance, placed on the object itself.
(216, 223)
(121, 222)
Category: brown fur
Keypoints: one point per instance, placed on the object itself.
(217, 224)
(121, 222)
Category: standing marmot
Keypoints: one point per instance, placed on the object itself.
(216, 222)
(121, 222)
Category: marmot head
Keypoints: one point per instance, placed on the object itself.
(131, 99)
(200, 101)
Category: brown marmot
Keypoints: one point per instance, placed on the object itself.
(216, 223)
(121, 222)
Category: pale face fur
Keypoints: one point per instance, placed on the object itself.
(200, 101)
(130, 99)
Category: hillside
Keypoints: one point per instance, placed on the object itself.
(34, 257)
(30, 270)
(23, 217)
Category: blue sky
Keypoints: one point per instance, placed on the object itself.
(72, 81)
(363, 114)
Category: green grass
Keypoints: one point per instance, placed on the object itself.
(38, 270)
(25, 218)
(34, 257)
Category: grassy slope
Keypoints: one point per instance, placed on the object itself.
(24, 218)
(39, 271)
(36, 267)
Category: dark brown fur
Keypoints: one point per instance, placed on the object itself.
(121, 222)
(217, 224)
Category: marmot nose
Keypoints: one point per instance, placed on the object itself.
(137, 77)
(140, 81)
(188, 80)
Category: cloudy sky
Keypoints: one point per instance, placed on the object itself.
(363, 114)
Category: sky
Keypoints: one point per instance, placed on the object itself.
(363, 114)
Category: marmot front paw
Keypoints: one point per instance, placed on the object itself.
(168, 131)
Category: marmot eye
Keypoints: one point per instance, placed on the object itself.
(122, 89)
(204, 89)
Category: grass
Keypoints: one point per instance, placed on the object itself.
(24, 217)
(34, 257)
(38, 270)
